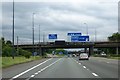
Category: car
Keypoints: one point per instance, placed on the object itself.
(73, 55)
(83, 56)
(103, 54)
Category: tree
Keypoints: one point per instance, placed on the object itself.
(114, 37)
(7, 51)
(9, 43)
(3, 41)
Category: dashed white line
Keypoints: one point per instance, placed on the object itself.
(32, 75)
(79, 63)
(46, 67)
(36, 73)
(94, 74)
(84, 67)
(87, 69)
(30, 69)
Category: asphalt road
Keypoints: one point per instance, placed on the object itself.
(64, 68)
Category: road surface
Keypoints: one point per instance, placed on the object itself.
(64, 68)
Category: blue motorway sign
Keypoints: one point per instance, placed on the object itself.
(74, 34)
(79, 38)
(52, 36)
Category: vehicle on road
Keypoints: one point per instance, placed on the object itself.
(83, 56)
(103, 54)
(73, 55)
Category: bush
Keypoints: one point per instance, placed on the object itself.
(27, 54)
(7, 51)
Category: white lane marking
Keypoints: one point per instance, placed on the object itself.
(48, 66)
(79, 63)
(87, 69)
(32, 75)
(36, 73)
(39, 71)
(94, 74)
(30, 69)
(84, 67)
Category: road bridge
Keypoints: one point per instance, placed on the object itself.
(67, 45)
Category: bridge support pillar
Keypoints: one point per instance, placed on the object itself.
(91, 50)
(86, 50)
(41, 51)
(117, 50)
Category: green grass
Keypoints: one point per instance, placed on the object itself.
(60, 55)
(8, 61)
(117, 58)
(112, 56)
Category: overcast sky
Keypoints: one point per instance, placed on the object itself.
(60, 17)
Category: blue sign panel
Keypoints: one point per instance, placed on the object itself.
(74, 34)
(52, 36)
(79, 38)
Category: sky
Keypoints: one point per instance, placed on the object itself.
(59, 17)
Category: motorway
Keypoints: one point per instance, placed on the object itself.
(66, 67)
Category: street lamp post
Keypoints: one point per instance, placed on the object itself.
(13, 33)
(39, 39)
(17, 45)
(43, 37)
(33, 30)
(39, 34)
(95, 35)
(86, 28)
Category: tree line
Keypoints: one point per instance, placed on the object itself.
(112, 51)
(8, 50)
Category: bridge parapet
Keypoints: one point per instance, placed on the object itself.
(73, 44)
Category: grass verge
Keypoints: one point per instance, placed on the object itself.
(8, 61)
(117, 58)
(60, 55)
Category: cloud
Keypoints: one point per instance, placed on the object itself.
(60, 18)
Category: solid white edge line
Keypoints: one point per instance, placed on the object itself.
(30, 69)
(94, 74)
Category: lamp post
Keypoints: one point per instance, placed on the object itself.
(43, 37)
(33, 30)
(17, 45)
(86, 28)
(39, 34)
(39, 39)
(95, 35)
(13, 33)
